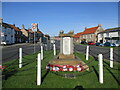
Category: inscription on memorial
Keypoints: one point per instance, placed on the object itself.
(66, 45)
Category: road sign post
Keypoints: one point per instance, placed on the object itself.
(34, 28)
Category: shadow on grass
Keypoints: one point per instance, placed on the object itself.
(96, 72)
(106, 63)
(44, 76)
(118, 81)
(78, 88)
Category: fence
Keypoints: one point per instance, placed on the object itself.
(111, 54)
(17, 65)
(14, 66)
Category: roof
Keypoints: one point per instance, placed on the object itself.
(5, 25)
(46, 35)
(30, 30)
(77, 35)
(39, 31)
(15, 28)
(111, 30)
(90, 30)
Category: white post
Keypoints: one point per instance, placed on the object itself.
(100, 57)
(111, 57)
(20, 57)
(54, 49)
(41, 52)
(87, 52)
(39, 69)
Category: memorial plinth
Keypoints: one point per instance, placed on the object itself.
(66, 60)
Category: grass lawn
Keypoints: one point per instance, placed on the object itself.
(26, 76)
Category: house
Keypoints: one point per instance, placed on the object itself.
(46, 42)
(18, 33)
(7, 33)
(109, 35)
(30, 36)
(39, 36)
(25, 36)
(90, 34)
(77, 37)
(46, 39)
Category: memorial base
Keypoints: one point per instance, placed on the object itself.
(62, 56)
(67, 65)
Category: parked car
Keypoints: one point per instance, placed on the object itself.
(109, 44)
(3, 43)
(117, 43)
(99, 44)
(83, 42)
(91, 43)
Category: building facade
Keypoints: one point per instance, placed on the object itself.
(77, 37)
(90, 34)
(7, 33)
(109, 35)
(18, 33)
(25, 36)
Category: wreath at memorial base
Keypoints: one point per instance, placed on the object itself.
(69, 68)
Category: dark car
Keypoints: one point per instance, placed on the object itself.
(91, 43)
(83, 42)
(99, 44)
(109, 44)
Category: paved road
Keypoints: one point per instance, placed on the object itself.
(95, 50)
(11, 52)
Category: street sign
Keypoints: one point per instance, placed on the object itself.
(34, 27)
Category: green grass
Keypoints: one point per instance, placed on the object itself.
(27, 78)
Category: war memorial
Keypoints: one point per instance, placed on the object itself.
(66, 60)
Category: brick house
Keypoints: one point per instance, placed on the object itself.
(90, 34)
(25, 37)
(77, 37)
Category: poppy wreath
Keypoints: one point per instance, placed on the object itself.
(69, 68)
(2, 67)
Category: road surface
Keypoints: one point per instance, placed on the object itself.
(12, 52)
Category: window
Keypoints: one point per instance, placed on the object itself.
(91, 36)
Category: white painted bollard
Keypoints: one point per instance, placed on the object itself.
(87, 52)
(111, 57)
(54, 49)
(20, 57)
(41, 52)
(39, 69)
(100, 57)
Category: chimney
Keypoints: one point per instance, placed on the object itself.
(1, 20)
(99, 25)
(13, 24)
(85, 27)
(23, 26)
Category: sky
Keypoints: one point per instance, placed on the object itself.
(55, 16)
